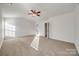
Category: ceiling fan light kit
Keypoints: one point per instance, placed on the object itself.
(34, 13)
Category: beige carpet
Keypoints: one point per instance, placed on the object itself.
(47, 47)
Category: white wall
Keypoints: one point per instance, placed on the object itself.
(41, 28)
(61, 27)
(23, 27)
(77, 26)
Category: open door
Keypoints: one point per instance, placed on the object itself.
(46, 25)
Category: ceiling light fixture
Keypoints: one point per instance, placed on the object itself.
(34, 13)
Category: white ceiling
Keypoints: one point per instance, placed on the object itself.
(47, 9)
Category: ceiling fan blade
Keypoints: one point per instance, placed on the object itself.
(38, 12)
(31, 10)
(38, 15)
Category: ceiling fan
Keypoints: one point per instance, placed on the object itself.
(34, 13)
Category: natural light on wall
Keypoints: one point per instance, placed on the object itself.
(9, 30)
(35, 42)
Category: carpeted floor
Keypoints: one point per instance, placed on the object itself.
(46, 47)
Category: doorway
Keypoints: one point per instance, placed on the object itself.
(46, 27)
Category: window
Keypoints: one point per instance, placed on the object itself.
(9, 30)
